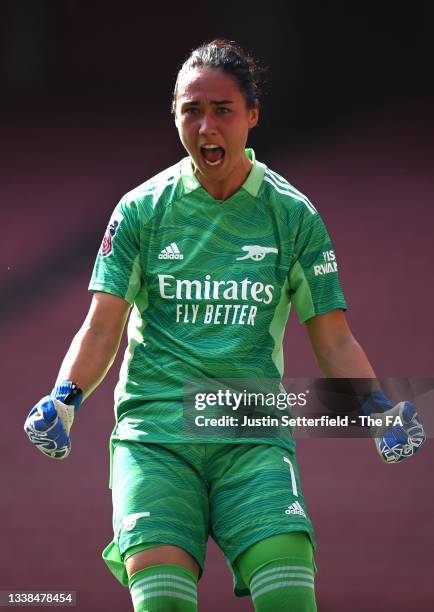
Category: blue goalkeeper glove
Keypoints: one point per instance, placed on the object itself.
(402, 433)
(49, 422)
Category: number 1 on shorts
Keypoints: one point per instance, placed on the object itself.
(293, 481)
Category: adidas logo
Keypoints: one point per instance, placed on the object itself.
(171, 252)
(295, 508)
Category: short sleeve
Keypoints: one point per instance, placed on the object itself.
(313, 277)
(117, 267)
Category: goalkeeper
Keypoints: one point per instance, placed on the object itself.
(209, 255)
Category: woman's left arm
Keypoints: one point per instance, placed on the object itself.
(338, 353)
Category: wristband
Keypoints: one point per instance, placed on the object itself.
(375, 402)
(69, 393)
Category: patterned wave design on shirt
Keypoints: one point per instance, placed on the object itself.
(192, 321)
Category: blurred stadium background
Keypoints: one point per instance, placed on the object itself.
(348, 119)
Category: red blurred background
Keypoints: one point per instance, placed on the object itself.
(348, 120)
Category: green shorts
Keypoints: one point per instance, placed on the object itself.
(180, 494)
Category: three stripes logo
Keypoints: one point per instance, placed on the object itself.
(282, 186)
(295, 508)
(171, 252)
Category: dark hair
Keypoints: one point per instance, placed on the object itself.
(229, 57)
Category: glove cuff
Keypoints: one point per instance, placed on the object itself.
(69, 393)
(375, 402)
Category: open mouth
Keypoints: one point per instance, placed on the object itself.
(212, 155)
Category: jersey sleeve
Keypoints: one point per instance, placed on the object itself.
(313, 277)
(117, 267)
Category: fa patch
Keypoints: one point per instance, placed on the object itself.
(107, 241)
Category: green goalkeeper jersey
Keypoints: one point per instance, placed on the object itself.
(210, 283)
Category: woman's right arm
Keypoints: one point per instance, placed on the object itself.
(87, 361)
(95, 345)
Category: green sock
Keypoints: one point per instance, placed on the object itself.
(280, 573)
(164, 588)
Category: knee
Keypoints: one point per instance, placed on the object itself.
(162, 578)
(294, 545)
(279, 572)
(160, 555)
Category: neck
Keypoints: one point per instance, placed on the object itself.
(224, 188)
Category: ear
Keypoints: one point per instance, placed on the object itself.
(253, 117)
(175, 115)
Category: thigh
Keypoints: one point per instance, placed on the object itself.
(255, 492)
(158, 497)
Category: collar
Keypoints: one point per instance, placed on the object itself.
(251, 184)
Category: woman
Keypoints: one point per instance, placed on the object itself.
(210, 253)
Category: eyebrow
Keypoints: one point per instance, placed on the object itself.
(196, 102)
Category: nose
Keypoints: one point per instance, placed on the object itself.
(208, 124)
